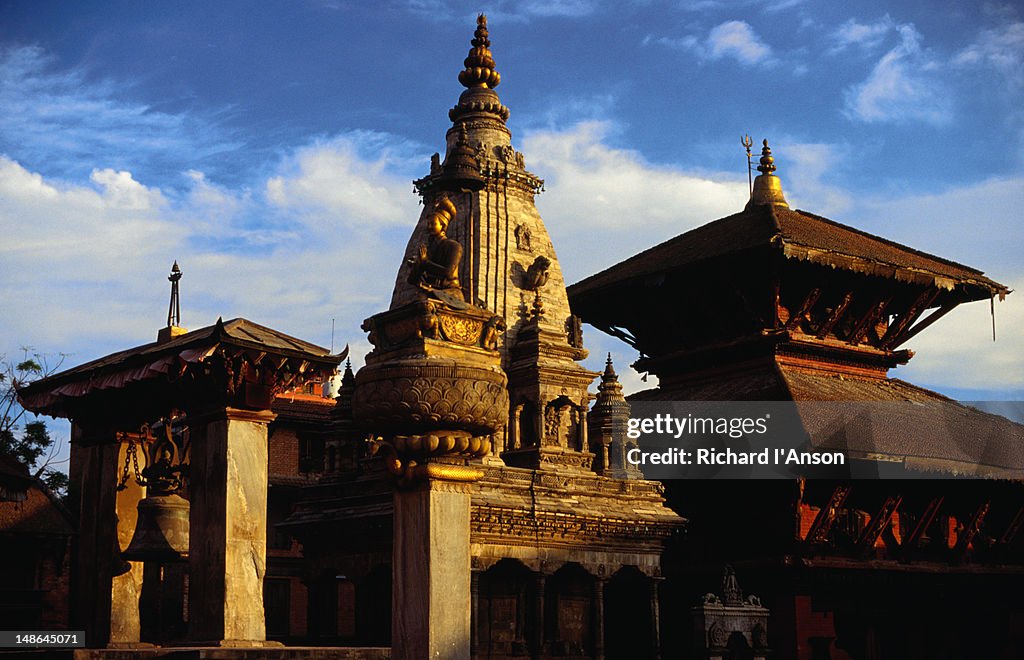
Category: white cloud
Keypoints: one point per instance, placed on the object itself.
(732, 39)
(737, 39)
(863, 35)
(604, 204)
(804, 170)
(1001, 49)
(84, 263)
(902, 87)
(332, 182)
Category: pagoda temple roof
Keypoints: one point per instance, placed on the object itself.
(797, 235)
(924, 429)
(161, 358)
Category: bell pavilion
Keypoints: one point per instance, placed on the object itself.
(467, 491)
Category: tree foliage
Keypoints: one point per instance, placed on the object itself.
(28, 442)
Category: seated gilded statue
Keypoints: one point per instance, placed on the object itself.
(435, 268)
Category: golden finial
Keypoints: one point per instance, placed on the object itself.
(479, 71)
(767, 189)
(767, 165)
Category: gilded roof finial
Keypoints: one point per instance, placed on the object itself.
(767, 165)
(767, 187)
(479, 71)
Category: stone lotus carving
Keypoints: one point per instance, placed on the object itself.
(413, 395)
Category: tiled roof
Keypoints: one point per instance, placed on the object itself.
(798, 235)
(159, 359)
(926, 430)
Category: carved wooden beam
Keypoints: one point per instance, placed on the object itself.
(822, 525)
(907, 319)
(1011, 532)
(869, 319)
(911, 542)
(805, 306)
(834, 317)
(970, 531)
(615, 331)
(932, 318)
(879, 522)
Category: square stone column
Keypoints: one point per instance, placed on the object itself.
(228, 527)
(105, 588)
(431, 596)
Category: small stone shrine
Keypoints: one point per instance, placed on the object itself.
(730, 627)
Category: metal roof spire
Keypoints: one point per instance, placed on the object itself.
(767, 187)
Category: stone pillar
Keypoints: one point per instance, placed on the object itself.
(105, 588)
(655, 620)
(538, 613)
(431, 593)
(228, 523)
(599, 618)
(474, 632)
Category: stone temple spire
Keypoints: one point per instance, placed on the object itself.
(608, 421)
(767, 186)
(506, 263)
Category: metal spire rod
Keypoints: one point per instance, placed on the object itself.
(174, 310)
(747, 142)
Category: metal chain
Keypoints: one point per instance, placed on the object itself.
(131, 459)
(123, 483)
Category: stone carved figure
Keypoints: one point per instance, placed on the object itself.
(731, 593)
(574, 331)
(435, 163)
(711, 599)
(507, 153)
(522, 237)
(537, 274)
(520, 160)
(435, 268)
(428, 322)
(494, 327)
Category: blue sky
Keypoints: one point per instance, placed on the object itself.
(270, 147)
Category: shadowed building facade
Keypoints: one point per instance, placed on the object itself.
(776, 304)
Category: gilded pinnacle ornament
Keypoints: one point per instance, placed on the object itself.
(479, 71)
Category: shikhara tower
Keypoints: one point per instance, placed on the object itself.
(508, 267)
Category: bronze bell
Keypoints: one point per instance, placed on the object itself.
(161, 531)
